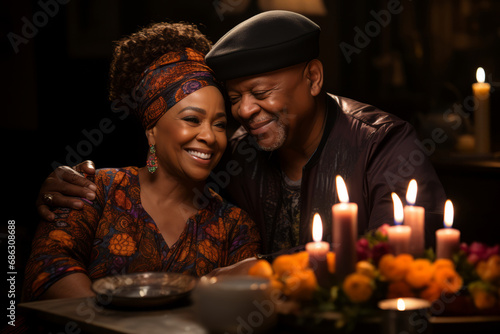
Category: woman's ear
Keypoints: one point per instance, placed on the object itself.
(314, 75)
(150, 134)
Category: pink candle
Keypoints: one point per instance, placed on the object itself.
(414, 217)
(448, 238)
(399, 235)
(317, 253)
(345, 231)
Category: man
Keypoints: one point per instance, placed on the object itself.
(295, 139)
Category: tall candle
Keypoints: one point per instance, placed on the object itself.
(447, 238)
(481, 92)
(345, 231)
(398, 235)
(317, 252)
(414, 217)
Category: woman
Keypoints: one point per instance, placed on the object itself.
(147, 219)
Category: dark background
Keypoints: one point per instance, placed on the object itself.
(417, 64)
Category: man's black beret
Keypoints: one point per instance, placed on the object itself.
(265, 42)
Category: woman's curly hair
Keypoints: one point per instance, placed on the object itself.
(133, 54)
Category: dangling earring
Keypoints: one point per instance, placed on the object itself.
(152, 162)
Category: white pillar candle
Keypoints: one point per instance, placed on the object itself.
(398, 235)
(481, 92)
(447, 238)
(345, 231)
(414, 217)
(317, 251)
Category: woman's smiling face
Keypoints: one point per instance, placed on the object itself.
(190, 137)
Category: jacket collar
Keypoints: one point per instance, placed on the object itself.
(331, 115)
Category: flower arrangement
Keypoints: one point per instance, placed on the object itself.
(474, 272)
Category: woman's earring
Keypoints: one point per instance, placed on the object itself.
(152, 162)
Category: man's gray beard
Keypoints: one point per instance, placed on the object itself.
(280, 140)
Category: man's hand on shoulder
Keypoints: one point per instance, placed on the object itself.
(63, 188)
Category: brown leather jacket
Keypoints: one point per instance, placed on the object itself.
(375, 152)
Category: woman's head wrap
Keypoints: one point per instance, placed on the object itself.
(168, 80)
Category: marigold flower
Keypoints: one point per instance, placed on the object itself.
(358, 287)
(122, 244)
(448, 279)
(300, 285)
(419, 273)
(484, 300)
(432, 292)
(330, 260)
(301, 259)
(439, 263)
(276, 284)
(365, 268)
(394, 268)
(492, 272)
(284, 265)
(399, 289)
(261, 268)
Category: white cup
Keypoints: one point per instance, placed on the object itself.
(234, 304)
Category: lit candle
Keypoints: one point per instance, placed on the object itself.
(447, 238)
(481, 91)
(317, 253)
(405, 315)
(345, 231)
(398, 235)
(414, 218)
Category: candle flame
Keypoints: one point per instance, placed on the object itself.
(401, 304)
(411, 193)
(398, 209)
(342, 189)
(317, 228)
(480, 75)
(448, 214)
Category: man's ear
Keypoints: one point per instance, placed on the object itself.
(314, 73)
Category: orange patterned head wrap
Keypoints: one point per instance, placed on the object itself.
(168, 80)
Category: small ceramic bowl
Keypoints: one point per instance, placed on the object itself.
(234, 304)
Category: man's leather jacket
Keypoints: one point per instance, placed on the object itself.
(376, 153)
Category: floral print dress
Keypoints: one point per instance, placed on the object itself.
(115, 235)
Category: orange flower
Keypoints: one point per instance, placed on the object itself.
(448, 279)
(483, 299)
(365, 268)
(399, 289)
(394, 268)
(261, 268)
(61, 237)
(419, 273)
(439, 263)
(288, 264)
(489, 270)
(122, 244)
(277, 285)
(302, 259)
(300, 285)
(358, 287)
(481, 269)
(330, 260)
(432, 292)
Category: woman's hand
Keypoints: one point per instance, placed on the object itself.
(63, 188)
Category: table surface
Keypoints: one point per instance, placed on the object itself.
(93, 318)
(85, 314)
